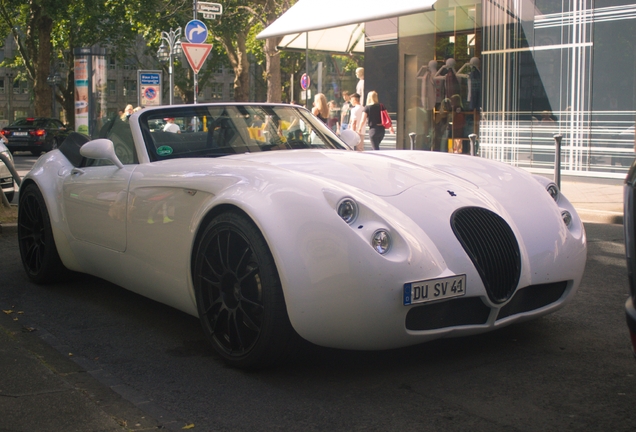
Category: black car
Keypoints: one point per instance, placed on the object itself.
(36, 135)
(629, 224)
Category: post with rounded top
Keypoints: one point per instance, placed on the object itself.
(473, 140)
(557, 159)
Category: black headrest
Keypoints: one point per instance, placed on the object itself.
(71, 147)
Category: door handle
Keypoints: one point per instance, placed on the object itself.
(77, 171)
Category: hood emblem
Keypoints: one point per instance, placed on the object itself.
(451, 193)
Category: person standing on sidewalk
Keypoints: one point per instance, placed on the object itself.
(355, 116)
(371, 114)
(345, 112)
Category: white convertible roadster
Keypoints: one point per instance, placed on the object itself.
(260, 221)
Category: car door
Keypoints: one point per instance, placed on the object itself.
(95, 202)
(96, 193)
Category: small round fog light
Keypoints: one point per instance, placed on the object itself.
(553, 190)
(381, 241)
(348, 210)
(567, 218)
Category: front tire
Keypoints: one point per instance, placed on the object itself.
(35, 237)
(239, 295)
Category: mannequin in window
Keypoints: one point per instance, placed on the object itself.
(431, 95)
(472, 72)
(448, 75)
(360, 85)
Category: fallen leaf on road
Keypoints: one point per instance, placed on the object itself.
(8, 311)
(190, 426)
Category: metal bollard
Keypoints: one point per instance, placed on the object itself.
(557, 159)
(472, 138)
(412, 136)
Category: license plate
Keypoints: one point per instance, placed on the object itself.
(20, 133)
(434, 289)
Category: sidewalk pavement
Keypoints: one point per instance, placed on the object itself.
(45, 388)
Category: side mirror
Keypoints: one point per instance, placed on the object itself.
(101, 149)
(350, 137)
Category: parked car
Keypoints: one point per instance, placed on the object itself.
(36, 135)
(6, 179)
(278, 231)
(629, 225)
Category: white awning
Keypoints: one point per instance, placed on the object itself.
(343, 39)
(336, 24)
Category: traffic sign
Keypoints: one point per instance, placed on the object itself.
(196, 32)
(149, 82)
(209, 10)
(196, 54)
(305, 82)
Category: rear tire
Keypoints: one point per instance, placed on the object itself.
(239, 295)
(39, 254)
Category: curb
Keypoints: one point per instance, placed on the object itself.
(10, 228)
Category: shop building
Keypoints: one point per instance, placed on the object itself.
(513, 72)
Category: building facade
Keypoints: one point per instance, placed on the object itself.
(524, 71)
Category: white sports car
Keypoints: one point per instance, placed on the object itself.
(260, 221)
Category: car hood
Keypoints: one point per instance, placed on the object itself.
(386, 173)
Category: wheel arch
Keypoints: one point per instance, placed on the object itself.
(55, 215)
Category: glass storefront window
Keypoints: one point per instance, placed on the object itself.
(440, 53)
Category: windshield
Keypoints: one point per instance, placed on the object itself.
(204, 131)
(29, 122)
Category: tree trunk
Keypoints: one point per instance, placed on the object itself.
(43, 98)
(237, 54)
(272, 64)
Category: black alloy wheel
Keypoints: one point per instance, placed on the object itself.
(239, 295)
(35, 237)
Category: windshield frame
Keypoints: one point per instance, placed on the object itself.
(235, 117)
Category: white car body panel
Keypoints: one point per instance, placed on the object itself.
(137, 227)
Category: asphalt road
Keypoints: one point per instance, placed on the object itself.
(571, 370)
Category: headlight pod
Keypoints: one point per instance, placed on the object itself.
(381, 241)
(553, 190)
(348, 210)
(567, 218)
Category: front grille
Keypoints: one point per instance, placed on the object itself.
(450, 313)
(533, 297)
(492, 247)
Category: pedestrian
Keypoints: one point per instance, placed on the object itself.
(127, 113)
(355, 117)
(320, 109)
(345, 112)
(171, 126)
(334, 116)
(372, 116)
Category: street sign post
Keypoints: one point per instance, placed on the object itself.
(305, 81)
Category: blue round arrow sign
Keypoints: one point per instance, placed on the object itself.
(196, 32)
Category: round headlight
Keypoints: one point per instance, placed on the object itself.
(567, 218)
(381, 241)
(348, 210)
(553, 190)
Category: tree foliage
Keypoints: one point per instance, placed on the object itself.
(46, 31)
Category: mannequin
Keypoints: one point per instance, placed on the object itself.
(449, 78)
(430, 96)
(473, 76)
(430, 87)
(360, 85)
